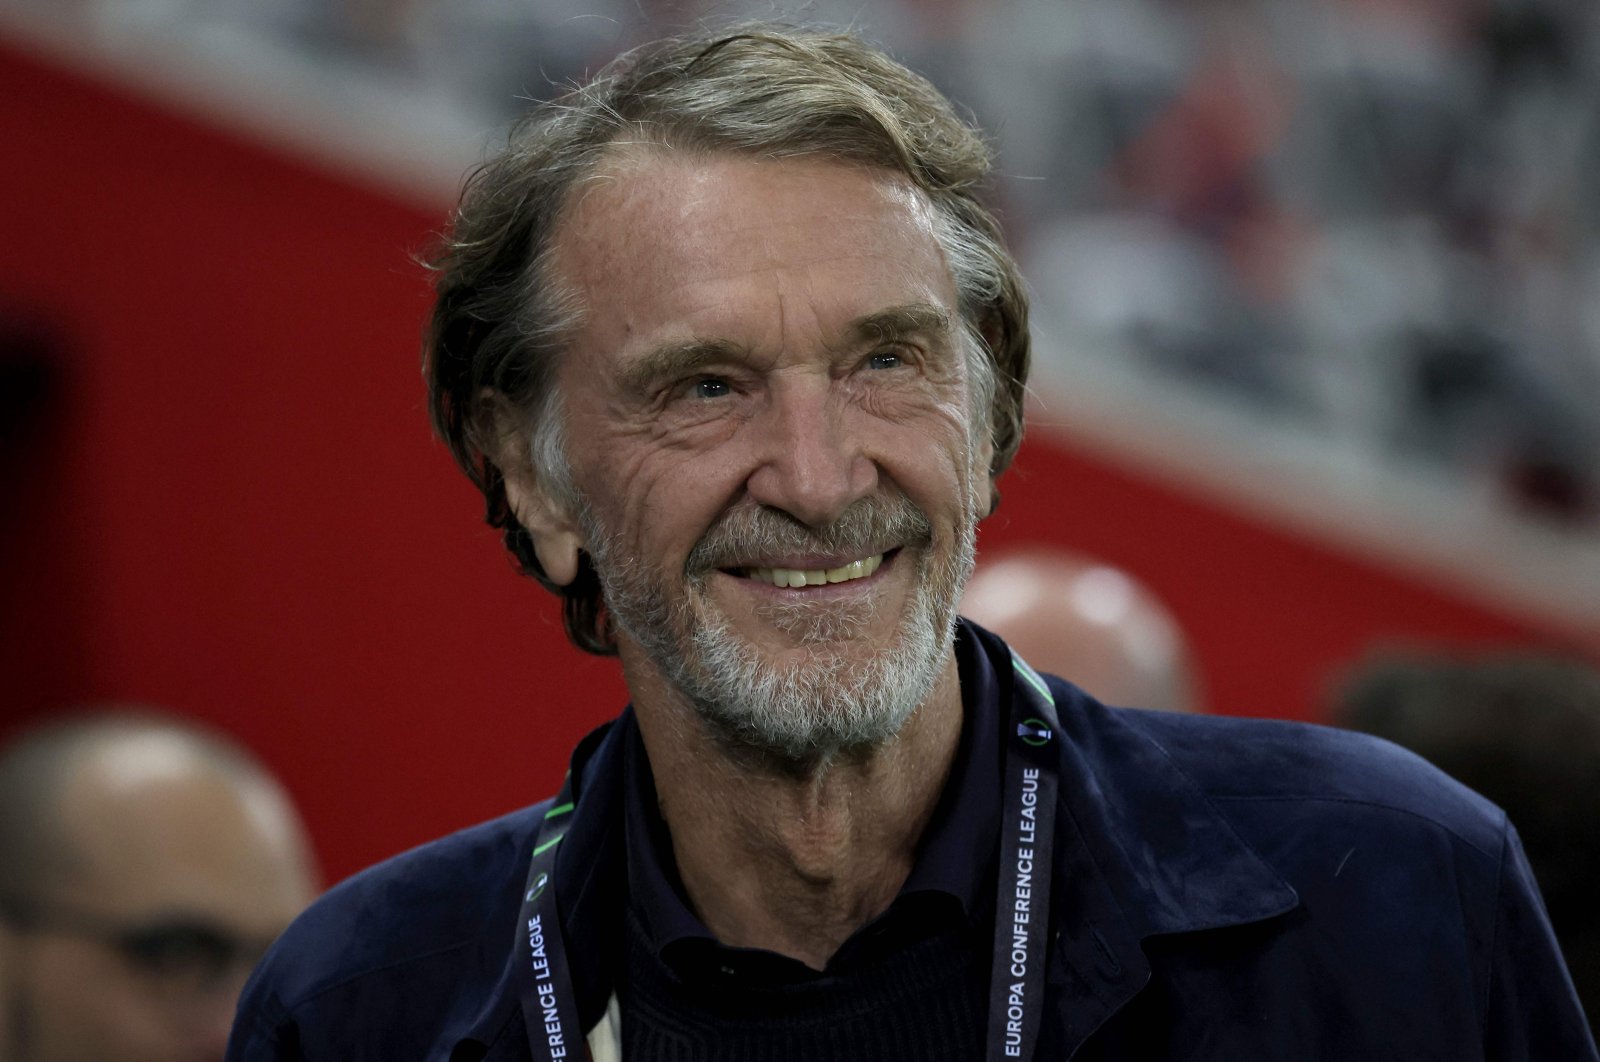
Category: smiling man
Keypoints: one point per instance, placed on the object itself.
(754, 565)
(735, 355)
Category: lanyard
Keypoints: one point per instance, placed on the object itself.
(549, 1006)
(1022, 906)
(1027, 844)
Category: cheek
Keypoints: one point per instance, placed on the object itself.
(938, 408)
(944, 475)
(659, 502)
(929, 436)
(613, 470)
(82, 1002)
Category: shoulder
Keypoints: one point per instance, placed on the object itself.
(410, 905)
(1320, 772)
(1409, 892)
(424, 926)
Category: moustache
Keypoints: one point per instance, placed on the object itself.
(750, 532)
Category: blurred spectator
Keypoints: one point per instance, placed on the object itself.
(1524, 731)
(1087, 622)
(145, 866)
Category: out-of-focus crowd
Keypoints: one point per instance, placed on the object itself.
(1377, 219)
(1373, 220)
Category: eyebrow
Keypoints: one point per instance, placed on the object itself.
(672, 361)
(902, 322)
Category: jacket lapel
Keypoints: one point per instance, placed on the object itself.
(1141, 852)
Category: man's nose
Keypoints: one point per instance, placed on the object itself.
(812, 464)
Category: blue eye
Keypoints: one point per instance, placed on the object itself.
(711, 387)
(886, 359)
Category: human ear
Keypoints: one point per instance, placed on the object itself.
(551, 527)
(553, 531)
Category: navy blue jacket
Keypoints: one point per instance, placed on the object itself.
(1224, 889)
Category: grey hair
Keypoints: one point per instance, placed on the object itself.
(502, 316)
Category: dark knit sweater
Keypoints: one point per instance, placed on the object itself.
(921, 1001)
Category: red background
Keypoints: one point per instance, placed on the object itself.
(234, 507)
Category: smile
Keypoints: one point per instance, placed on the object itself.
(797, 577)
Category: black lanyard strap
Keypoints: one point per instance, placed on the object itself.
(549, 1006)
(1022, 908)
(1027, 843)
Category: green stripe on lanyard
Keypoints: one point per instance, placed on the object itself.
(1032, 677)
(1022, 906)
(549, 1005)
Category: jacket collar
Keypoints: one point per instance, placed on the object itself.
(1172, 859)
(589, 883)
(1140, 852)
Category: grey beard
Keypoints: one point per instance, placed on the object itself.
(831, 700)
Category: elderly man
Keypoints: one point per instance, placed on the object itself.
(735, 355)
(144, 868)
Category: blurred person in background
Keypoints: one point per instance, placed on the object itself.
(1523, 729)
(1088, 621)
(145, 866)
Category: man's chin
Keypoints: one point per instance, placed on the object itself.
(804, 704)
(800, 652)
(794, 682)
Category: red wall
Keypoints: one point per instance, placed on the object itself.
(234, 507)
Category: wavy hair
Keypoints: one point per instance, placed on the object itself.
(501, 317)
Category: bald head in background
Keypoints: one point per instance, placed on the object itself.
(144, 867)
(1086, 621)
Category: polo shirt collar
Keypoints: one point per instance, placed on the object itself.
(960, 845)
(1140, 849)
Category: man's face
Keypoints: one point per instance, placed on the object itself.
(770, 381)
(160, 848)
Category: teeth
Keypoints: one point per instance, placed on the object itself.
(795, 577)
(853, 570)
